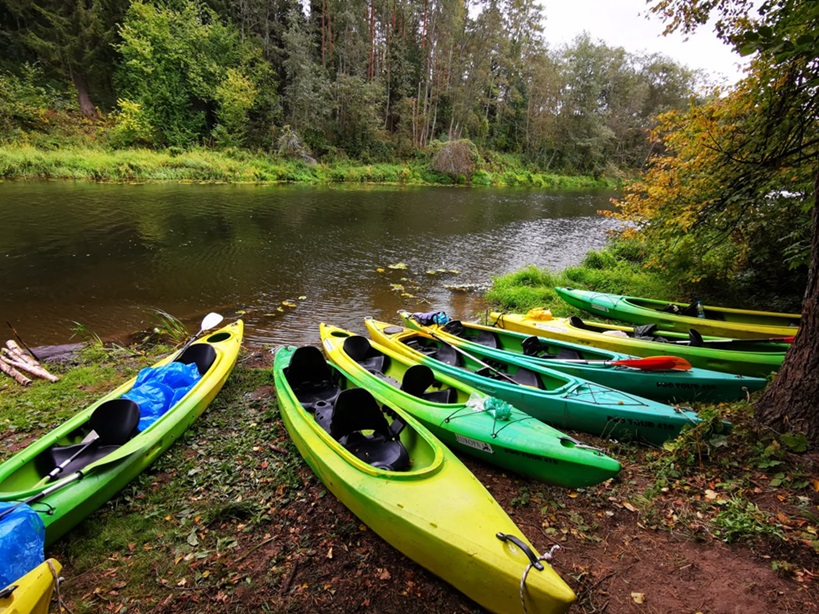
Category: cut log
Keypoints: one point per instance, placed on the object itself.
(14, 373)
(20, 354)
(35, 370)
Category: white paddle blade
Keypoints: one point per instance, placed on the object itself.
(211, 321)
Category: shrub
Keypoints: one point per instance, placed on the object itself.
(456, 158)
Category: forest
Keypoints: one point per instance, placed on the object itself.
(373, 81)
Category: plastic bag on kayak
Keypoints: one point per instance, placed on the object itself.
(157, 389)
(498, 408)
(22, 538)
(430, 317)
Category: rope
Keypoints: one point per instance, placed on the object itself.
(57, 580)
(684, 411)
(543, 557)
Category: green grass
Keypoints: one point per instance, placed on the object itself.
(97, 163)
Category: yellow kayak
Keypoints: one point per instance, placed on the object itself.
(409, 488)
(31, 594)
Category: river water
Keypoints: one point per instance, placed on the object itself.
(284, 258)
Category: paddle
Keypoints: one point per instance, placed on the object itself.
(695, 339)
(649, 363)
(477, 360)
(77, 475)
(209, 321)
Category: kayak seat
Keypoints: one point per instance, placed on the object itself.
(310, 377)
(568, 354)
(454, 327)
(532, 346)
(202, 354)
(417, 379)
(114, 421)
(577, 322)
(356, 411)
(487, 338)
(527, 378)
(447, 355)
(695, 338)
(359, 349)
(447, 395)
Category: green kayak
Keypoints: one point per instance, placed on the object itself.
(680, 317)
(555, 398)
(715, 353)
(595, 365)
(413, 492)
(464, 418)
(97, 452)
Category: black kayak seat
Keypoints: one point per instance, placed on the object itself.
(310, 377)
(569, 354)
(487, 338)
(202, 354)
(577, 322)
(532, 346)
(527, 377)
(359, 349)
(695, 338)
(447, 355)
(417, 379)
(356, 411)
(114, 421)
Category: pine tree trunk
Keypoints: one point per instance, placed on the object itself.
(792, 401)
(86, 106)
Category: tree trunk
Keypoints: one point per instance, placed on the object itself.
(790, 403)
(86, 106)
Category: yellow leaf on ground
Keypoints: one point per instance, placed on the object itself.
(638, 597)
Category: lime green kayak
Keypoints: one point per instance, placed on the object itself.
(409, 488)
(715, 353)
(556, 398)
(680, 317)
(464, 418)
(595, 365)
(31, 594)
(97, 472)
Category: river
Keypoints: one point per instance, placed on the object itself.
(284, 258)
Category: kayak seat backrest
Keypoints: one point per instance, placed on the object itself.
(417, 379)
(487, 338)
(447, 355)
(202, 354)
(114, 421)
(357, 411)
(447, 395)
(359, 349)
(310, 377)
(577, 322)
(454, 327)
(569, 354)
(527, 378)
(532, 346)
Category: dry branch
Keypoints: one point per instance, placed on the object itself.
(19, 354)
(36, 370)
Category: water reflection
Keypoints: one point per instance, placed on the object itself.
(104, 255)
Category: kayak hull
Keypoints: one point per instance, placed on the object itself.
(436, 512)
(560, 400)
(32, 592)
(66, 507)
(520, 444)
(717, 321)
(667, 386)
(743, 358)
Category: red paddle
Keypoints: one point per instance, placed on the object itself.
(649, 363)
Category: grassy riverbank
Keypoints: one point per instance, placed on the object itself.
(233, 166)
(230, 519)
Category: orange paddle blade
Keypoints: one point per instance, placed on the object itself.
(655, 363)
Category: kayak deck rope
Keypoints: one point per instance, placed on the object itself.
(543, 557)
(462, 412)
(57, 581)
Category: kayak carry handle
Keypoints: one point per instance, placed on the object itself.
(533, 559)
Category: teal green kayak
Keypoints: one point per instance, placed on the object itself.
(409, 488)
(464, 418)
(98, 468)
(595, 365)
(680, 317)
(552, 397)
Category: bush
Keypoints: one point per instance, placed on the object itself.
(456, 158)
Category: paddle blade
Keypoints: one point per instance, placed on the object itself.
(655, 363)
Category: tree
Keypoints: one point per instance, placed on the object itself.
(772, 150)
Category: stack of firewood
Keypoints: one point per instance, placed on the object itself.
(13, 361)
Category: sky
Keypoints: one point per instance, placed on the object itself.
(627, 24)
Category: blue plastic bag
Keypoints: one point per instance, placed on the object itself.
(22, 538)
(157, 389)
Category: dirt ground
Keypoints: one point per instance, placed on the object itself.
(621, 551)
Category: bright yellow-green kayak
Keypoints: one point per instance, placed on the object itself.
(31, 594)
(420, 498)
(679, 317)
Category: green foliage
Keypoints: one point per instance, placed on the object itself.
(740, 519)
